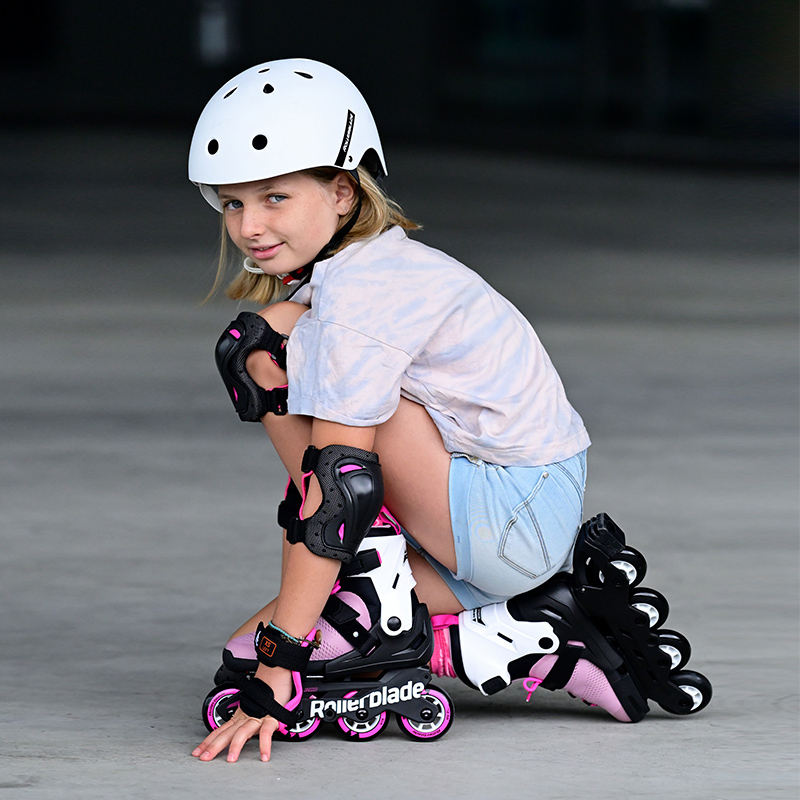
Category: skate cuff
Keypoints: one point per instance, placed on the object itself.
(257, 700)
(276, 648)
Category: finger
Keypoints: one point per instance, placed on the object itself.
(240, 738)
(208, 742)
(216, 742)
(268, 728)
(210, 746)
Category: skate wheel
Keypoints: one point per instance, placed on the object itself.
(219, 705)
(362, 729)
(303, 729)
(696, 692)
(652, 603)
(631, 563)
(676, 646)
(441, 717)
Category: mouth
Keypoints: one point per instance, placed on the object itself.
(266, 252)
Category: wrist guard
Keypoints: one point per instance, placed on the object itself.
(257, 700)
(274, 648)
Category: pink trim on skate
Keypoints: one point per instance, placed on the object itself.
(297, 680)
(350, 468)
(442, 658)
(341, 532)
(531, 685)
(443, 620)
(386, 520)
(236, 335)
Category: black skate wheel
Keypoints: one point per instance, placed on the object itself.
(441, 717)
(219, 705)
(651, 603)
(360, 730)
(676, 646)
(695, 689)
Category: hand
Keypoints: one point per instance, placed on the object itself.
(240, 728)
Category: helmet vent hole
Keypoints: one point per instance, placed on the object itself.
(266, 69)
(259, 142)
(304, 75)
(230, 93)
(268, 88)
(213, 147)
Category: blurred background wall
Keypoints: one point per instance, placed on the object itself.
(709, 81)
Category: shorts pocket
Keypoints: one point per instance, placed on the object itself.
(522, 545)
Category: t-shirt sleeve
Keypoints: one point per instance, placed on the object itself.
(342, 375)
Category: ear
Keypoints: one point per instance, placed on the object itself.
(344, 193)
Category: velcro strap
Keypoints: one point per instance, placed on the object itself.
(276, 400)
(365, 561)
(344, 620)
(275, 650)
(289, 507)
(562, 670)
(257, 700)
(294, 530)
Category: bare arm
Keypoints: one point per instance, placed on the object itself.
(306, 584)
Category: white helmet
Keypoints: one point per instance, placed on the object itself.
(281, 117)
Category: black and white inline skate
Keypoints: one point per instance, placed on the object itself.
(594, 632)
(375, 645)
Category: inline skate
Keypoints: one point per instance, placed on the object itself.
(594, 632)
(375, 644)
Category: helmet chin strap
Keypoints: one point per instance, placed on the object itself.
(301, 275)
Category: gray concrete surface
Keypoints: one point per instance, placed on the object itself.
(137, 513)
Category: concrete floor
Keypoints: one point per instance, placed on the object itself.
(137, 512)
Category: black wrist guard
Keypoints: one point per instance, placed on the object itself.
(257, 700)
(274, 648)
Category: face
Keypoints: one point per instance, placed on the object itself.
(282, 223)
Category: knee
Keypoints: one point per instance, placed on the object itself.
(260, 366)
(283, 316)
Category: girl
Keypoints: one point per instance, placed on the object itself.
(433, 386)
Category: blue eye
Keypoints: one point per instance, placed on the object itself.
(232, 205)
(276, 198)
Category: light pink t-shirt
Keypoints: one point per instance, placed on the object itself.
(392, 317)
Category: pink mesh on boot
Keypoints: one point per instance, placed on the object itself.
(587, 682)
(334, 644)
(243, 646)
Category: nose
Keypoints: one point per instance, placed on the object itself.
(252, 222)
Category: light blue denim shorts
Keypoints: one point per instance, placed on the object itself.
(514, 527)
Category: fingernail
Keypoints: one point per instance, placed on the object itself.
(264, 757)
(196, 751)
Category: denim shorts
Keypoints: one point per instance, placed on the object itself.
(514, 527)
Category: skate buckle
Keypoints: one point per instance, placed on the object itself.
(530, 685)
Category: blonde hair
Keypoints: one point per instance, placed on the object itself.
(378, 213)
